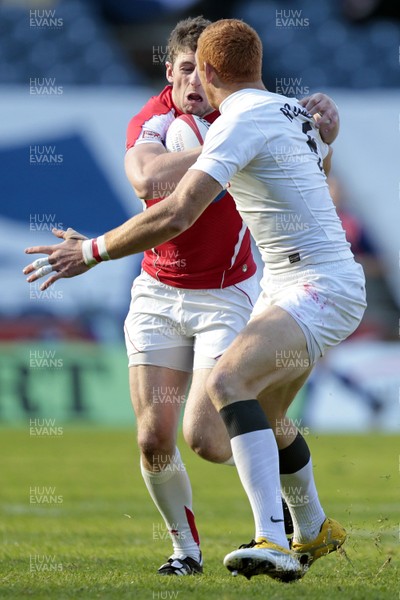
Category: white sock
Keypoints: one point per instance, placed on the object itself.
(230, 462)
(172, 494)
(257, 462)
(301, 496)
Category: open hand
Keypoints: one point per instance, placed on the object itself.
(65, 259)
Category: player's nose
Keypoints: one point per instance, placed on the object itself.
(194, 79)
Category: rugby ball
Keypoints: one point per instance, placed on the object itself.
(186, 132)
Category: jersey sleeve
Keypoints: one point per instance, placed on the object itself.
(323, 146)
(230, 144)
(150, 125)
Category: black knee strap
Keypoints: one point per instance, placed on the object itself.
(244, 416)
(294, 457)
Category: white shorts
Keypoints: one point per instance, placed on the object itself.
(327, 301)
(185, 329)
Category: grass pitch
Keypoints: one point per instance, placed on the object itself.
(77, 522)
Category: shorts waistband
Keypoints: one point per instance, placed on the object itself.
(332, 266)
(150, 278)
(284, 263)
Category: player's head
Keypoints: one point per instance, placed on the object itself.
(185, 35)
(187, 92)
(231, 51)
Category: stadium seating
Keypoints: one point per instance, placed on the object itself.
(325, 48)
(78, 49)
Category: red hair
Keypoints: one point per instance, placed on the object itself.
(233, 49)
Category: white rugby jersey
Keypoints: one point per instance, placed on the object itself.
(267, 148)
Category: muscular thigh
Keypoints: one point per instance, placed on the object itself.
(269, 352)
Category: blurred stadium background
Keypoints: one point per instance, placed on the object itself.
(72, 73)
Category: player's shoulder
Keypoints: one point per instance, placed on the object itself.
(270, 107)
(266, 100)
(245, 104)
(160, 104)
(153, 120)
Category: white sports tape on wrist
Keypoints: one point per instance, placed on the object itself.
(94, 251)
(101, 245)
(87, 253)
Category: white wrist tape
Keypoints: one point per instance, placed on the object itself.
(94, 251)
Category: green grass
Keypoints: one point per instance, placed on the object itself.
(100, 536)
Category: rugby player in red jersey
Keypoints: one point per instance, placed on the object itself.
(194, 295)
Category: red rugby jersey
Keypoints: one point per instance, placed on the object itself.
(215, 251)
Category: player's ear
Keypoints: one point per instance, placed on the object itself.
(209, 72)
(169, 72)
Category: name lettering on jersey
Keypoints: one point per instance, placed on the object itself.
(291, 112)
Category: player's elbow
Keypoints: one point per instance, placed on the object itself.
(142, 185)
(139, 180)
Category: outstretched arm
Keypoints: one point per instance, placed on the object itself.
(326, 114)
(158, 224)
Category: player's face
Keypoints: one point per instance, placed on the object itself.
(187, 92)
(207, 87)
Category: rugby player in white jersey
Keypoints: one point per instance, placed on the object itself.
(195, 293)
(249, 376)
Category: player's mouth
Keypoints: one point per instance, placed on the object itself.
(193, 97)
